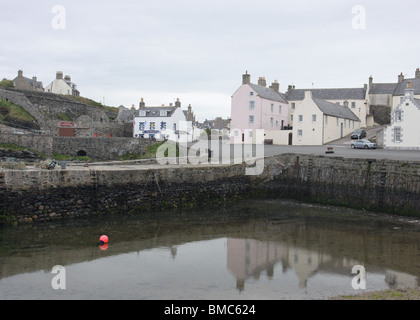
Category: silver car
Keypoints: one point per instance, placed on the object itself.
(363, 144)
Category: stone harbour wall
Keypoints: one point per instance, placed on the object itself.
(42, 195)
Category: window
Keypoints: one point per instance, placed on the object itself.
(277, 124)
(353, 105)
(272, 108)
(300, 133)
(251, 119)
(300, 118)
(251, 105)
(251, 93)
(337, 121)
(163, 113)
(152, 126)
(236, 133)
(141, 126)
(250, 134)
(271, 122)
(163, 125)
(174, 126)
(291, 118)
(397, 134)
(314, 118)
(346, 104)
(280, 109)
(142, 113)
(293, 105)
(401, 99)
(398, 116)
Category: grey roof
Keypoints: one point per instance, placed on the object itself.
(329, 94)
(155, 111)
(268, 93)
(399, 91)
(382, 88)
(335, 110)
(126, 114)
(36, 84)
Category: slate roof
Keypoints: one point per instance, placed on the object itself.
(155, 111)
(268, 93)
(383, 88)
(37, 84)
(329, 94)
(399, 91)
(335, 110)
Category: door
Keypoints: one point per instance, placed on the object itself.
(341, 130)
(66, 132)
(290, 138)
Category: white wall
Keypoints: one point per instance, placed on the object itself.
(59, 86)
(408, 125)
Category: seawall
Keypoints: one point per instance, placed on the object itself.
(36, 195)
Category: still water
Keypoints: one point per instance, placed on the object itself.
(254, 250)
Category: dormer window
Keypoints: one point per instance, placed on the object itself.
(142, 113)
(163, 113)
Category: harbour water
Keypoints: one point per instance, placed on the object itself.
(267, 249)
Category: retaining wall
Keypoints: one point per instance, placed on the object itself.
(41, 195)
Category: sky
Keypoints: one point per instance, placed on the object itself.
(118, 52)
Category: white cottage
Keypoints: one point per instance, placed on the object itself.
(161, 123)
(63, 86)
(403, 133)
(317, 121)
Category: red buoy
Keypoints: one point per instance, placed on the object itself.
(103, 239)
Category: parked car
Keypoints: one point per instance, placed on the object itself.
(363, 144)
(18, 132)
(358, 134)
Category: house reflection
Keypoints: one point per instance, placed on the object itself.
(248, 258)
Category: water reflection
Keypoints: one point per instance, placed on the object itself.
(257, 250)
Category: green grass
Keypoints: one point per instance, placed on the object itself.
(10, 110)
(11, 146)
(150, 153)
(66, 157)
(63, 116)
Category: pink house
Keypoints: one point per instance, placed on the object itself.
(257, 107)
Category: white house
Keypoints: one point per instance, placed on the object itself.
(62, 86)
(355, 99)
(317, 121)
(399, 94)
(404, 133)
(164, 122)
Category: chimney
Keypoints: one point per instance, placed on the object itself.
(178, 103)
(141, 104)
(370, 81)
(289, 88)
(308, 94)
(417, 73)
(20, 73)
(67, 78)
(34, 79)
(246, 78)
(59, 75)
(262, 82)
(409, 91)
(400, 78)
(275, 86)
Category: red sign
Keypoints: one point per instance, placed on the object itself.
(67, 124)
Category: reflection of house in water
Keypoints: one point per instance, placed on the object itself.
(247, 258)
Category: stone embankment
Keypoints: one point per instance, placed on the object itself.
(36, 195)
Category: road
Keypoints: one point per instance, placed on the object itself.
(341, 148)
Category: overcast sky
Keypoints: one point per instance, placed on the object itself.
(120, 51)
